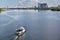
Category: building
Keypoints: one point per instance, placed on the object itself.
(58, 5)
(42, 5)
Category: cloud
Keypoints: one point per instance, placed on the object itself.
(21, 2)
(4, 3)
(27, 2)
(35, 0)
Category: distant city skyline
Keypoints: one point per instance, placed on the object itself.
(5, 3)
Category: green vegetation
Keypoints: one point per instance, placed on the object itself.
(1, 10)
(55, 8)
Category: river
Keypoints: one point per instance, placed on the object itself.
(39, 25)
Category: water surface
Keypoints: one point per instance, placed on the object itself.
(40, 25)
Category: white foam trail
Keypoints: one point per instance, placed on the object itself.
(14, 18)
(7, 23)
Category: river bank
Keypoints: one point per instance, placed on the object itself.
(49, 8)
(1, 10)
(55, 8)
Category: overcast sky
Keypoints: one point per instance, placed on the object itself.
(4, 3)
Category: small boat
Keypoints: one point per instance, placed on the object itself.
(20, 31)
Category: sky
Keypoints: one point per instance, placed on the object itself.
(5, 3)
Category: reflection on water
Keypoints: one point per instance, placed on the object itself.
(40, 25)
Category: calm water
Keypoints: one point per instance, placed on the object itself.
(40, 25)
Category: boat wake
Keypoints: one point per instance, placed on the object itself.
(12, 18)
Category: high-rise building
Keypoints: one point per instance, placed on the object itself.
(42, 5)
(58, 5)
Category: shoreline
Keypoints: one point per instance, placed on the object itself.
(50, 8)
(1, 10)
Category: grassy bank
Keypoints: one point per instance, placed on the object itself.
(55, 8)
(1, 10)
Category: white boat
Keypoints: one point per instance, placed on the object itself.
(20, 31)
